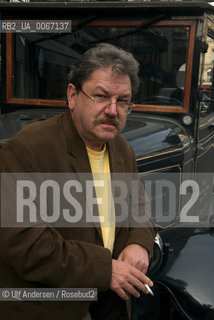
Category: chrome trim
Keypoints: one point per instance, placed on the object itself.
(160, 169)
(159, 154)
(184, 139)
(159, 242)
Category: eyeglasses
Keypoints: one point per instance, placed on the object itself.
(122, 106)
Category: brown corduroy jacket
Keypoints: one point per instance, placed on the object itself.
(59, 257)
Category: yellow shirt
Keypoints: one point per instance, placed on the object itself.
(99, 161)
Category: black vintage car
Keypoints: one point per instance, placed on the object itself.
(171, 128)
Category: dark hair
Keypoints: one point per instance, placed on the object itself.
(102, 56)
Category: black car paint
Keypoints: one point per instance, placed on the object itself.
(183, 280)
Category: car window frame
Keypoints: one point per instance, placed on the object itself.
(115, 23)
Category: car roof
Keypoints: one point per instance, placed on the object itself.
(150, 7)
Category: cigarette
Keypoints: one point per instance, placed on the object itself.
(149, 289)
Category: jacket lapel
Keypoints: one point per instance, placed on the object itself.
(78, 157)
(75, 146)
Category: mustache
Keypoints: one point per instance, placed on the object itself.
(110, 120)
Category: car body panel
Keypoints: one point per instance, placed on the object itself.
(184, 275)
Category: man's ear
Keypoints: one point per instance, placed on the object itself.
(71, 96)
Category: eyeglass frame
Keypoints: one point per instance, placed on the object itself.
(132, 105)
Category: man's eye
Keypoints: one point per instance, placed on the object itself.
(101, 96)
(122, 102)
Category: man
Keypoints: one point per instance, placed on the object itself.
(85, 139)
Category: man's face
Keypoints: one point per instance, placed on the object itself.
(95, 122)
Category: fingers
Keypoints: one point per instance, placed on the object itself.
(126, 291)
(141, 277)
(141, 266)
(136, 256)
(125, 278)
(121, 293)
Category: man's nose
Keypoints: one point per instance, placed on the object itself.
(111, 109)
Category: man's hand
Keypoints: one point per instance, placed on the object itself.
(136, 256)
(125, 277)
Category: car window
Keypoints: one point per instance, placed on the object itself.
(42, 61)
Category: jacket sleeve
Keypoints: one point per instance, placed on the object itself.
(40, 254)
